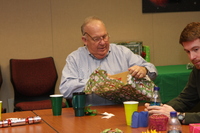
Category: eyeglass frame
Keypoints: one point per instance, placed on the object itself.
(98, 39)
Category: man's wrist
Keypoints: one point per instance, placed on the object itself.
(181, 117)
(147, 71)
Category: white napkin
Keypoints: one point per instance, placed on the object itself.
(107, 115)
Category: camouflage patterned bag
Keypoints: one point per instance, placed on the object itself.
(117, 91)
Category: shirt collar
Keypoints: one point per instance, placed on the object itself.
(94, 56)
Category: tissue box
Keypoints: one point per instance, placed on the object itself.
(158, 122)
(194, 128)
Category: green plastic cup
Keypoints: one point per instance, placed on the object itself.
(56, 102)
(78, 102)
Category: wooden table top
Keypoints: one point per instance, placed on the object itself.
(41, 127)
(68, 123)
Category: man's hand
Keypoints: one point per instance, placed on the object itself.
(163, 109)
(138, 71)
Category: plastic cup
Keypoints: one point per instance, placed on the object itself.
(0, 109)
(78, 102)
(56, 102)
(130, 107)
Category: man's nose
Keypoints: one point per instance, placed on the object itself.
(102, 41)
(192, 56)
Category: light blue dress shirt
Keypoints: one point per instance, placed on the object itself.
(80, 64)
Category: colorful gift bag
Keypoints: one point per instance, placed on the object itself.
(116, 90)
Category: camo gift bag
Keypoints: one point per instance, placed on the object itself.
(117, 91)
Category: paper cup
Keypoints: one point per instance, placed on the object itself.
(56, 102)
(130, 107)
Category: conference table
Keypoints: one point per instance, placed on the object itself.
(68, 123)
(171, 79)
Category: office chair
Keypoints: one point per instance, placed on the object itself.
(33, 81)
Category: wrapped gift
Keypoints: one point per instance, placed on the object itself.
(20, 121)
(137, 47)
(134, 46)
(158, 122)
(114, 87)
(146, 53)
(140, 119)
(194, 128)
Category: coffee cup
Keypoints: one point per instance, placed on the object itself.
(78, 103)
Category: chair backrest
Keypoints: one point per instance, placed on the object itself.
(33, 79)
(1, 79)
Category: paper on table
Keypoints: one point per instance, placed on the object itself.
(120, 76)
(107, 115)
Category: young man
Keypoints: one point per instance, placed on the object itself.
(98, 52)
(190, 96)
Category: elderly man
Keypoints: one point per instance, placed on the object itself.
(98, 52)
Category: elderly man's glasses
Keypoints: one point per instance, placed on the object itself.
(98, 39)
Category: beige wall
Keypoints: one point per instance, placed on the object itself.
(41, 28)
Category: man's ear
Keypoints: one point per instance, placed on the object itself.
(84, 40)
